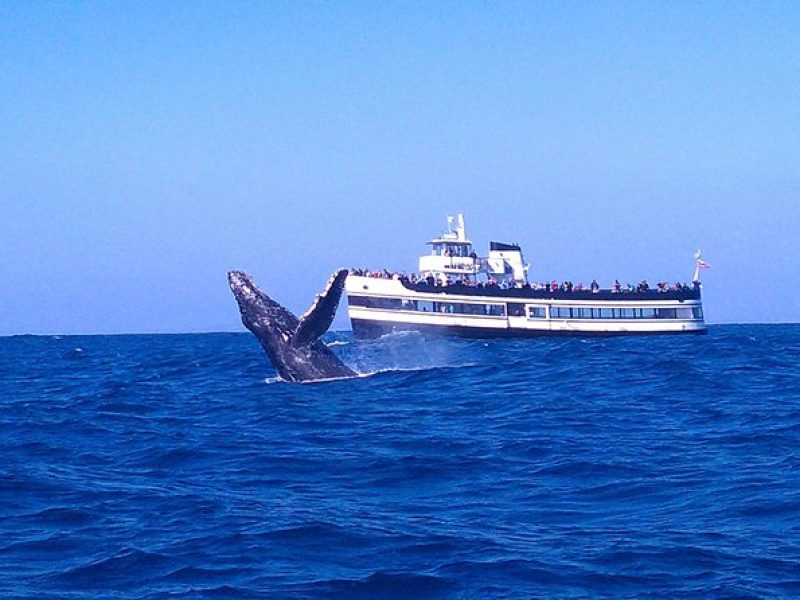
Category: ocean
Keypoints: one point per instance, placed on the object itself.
(177, 466)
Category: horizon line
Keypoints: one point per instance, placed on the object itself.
(244, 331)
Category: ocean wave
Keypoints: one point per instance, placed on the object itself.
(129, 568)
(380, 584)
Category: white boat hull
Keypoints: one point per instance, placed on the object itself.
(378, 306)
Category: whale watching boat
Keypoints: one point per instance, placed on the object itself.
(458, 293)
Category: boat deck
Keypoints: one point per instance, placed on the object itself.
(524, 293)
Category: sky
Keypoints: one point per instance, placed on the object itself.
(146, 148)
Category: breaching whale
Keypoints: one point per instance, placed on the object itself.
(292, 345)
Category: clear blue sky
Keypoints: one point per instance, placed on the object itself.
(148, 147)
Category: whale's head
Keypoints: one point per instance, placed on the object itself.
(243, 288)
(267, 319)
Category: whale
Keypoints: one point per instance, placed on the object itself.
(292, 344)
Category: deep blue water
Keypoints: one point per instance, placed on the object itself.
(173, 466)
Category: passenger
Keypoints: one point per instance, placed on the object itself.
(579, 287)
(617, 286)
(595, 286)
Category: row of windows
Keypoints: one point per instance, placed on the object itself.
(576, 312)
(516, 309)
(460, 250)
(494, 310)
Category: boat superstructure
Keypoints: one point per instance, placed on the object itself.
(456, 292)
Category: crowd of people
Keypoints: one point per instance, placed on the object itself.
(382, 274)
(547, 286)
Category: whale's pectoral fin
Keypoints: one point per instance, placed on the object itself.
(319, 317)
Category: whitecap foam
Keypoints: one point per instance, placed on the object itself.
(414, 369)
(271, 380)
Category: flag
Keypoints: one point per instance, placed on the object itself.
(701, 264)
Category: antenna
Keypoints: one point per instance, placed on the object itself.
(698, 264)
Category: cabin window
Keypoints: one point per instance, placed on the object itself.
(493, 310)
(476, 309)
(355, 300)
(497, 310)
(666, 313)
(389, 303)
(536, 312)
(515, 309)
(372, 302)
(697, 312)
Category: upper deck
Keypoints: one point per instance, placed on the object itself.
(528, 292)
(452, 255)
